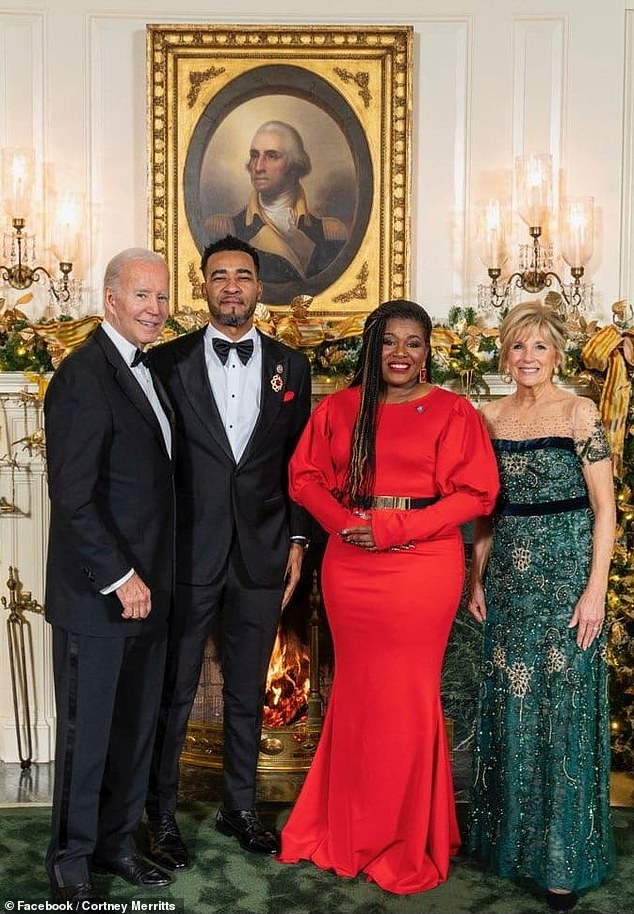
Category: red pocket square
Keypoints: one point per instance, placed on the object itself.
(288, 396)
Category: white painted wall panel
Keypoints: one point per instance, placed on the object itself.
(626, 267)
(440, 163)
(116, 139)
(22, 92)
(538, 86)
(491, 79)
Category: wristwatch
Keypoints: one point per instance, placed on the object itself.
(302, 541)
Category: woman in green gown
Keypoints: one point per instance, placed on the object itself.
(540, 799)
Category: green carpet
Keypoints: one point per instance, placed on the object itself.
(225, 880)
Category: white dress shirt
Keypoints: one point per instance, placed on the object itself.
(236, 387)
(141, 373)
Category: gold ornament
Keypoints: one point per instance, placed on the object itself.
(611, 350)
(63, 336)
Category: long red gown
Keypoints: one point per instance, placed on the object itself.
(378, 798)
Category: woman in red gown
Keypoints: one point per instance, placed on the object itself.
(390, 467)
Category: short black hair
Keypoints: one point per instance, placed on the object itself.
(230, 243)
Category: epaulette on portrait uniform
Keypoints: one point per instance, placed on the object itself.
(334, 229)
(220, 225)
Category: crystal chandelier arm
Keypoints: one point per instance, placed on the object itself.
(500, 299)
(20, 275)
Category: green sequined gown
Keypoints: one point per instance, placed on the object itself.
(542, 762)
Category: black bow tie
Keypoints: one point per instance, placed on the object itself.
(140, 358)
(222, 349)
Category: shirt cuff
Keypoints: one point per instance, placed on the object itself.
(118, 583)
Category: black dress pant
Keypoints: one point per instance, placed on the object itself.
(248, 617)
(107, 692)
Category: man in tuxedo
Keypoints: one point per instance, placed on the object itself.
(241, 400)
(109, 579)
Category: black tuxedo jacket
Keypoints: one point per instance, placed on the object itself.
(111, 487)
(217, 498)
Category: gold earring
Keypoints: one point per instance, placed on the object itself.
(422, 375)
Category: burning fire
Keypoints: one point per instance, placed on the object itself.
(287, 682)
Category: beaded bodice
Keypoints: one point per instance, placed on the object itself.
(541, 456)
(539, 469)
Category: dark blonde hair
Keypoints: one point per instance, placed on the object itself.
(527, 317)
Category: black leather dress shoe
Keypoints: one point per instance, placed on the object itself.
(244, 825)
(82, 891)
(165, 844)
(134, 869)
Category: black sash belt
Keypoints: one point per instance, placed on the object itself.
(518, 509)
(401, 502)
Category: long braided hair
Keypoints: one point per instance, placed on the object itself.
(359, 483)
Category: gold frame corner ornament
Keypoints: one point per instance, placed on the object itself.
(358, 78)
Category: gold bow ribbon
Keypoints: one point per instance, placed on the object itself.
(42, 384)
(444, 338)
(63, 336)
(610, 350)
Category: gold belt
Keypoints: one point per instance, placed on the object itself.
(401, 502)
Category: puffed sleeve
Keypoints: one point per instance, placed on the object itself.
(466, 479)
(312, 475)
(591, 443)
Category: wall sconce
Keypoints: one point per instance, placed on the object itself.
(534, 190)
(21, 272)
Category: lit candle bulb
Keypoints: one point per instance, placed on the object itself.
(19, 182)
(493, 235)
(67, 227)
(577, 230)
(18, 178)
(534, 183)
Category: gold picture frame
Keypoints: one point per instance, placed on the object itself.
(346, 90)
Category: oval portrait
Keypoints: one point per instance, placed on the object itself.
(279, 159)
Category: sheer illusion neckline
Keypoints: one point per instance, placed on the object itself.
(553, 425)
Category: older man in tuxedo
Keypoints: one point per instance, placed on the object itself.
(109, 579)
(241, 400)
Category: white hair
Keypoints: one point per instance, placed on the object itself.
(298, 157)
(115, 266)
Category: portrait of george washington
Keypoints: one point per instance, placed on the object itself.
(288, 171)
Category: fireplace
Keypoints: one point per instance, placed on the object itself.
(293, 705)
(298, 688)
